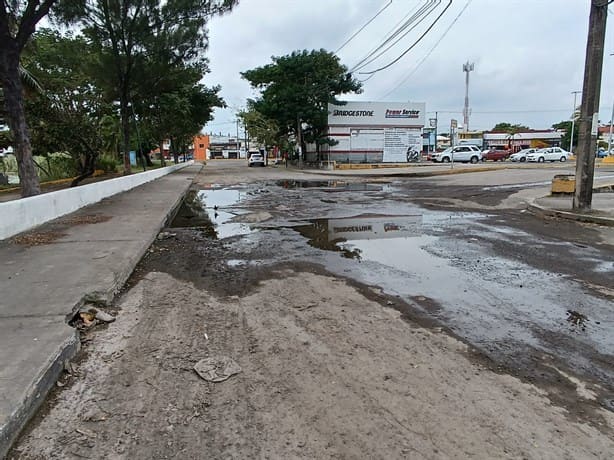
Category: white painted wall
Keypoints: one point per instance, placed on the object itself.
(20, 215)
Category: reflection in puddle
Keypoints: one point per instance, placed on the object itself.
(212, 211)
(337, 234)
(333, 185)
(218, 205)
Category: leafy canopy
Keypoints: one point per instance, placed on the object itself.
(300, 86)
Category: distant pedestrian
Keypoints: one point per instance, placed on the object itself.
(286, 158)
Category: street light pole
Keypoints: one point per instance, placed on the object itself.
(610, 136)
(573, 119)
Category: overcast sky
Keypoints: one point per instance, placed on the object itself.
(528, 55)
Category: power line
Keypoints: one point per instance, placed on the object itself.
(413, 14)
(414, 44)
(419, 16)
(361, 29)
(413, 71)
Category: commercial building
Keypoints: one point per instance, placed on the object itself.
(375, 132)
(523, 140)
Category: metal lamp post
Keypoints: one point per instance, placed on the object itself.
(573, 119)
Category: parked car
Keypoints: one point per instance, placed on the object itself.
(549, 154)
(601, 153)
(521, 155)
(255, 159)
(461, 153)
(496, 155)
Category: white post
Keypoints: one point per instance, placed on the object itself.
(610, 137)
(573, 120)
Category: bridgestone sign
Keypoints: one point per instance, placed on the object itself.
(399, 114)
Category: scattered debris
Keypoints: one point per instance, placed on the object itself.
(216, 369)
(86, 219)
(166, 235)
(88, 316)
(37, 238)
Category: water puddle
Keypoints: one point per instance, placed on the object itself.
(337, 234)
(334, 185)
(213, 212)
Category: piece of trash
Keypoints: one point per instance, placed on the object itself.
(166, 235)
(87, 317)
(206, 336)
(216, 369)
(389, 303)
(104, 316)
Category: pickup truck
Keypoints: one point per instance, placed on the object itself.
(496, 155)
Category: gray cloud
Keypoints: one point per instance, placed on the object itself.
(528, 54)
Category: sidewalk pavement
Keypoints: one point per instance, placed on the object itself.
(52, 270)
(602, 211)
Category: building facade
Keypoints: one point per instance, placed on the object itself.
(376, 132)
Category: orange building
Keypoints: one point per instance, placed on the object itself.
(201, 144)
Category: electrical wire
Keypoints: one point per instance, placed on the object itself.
(397, 59)
(413, 71)
(422, 18)
(406, 21)
(361, 29)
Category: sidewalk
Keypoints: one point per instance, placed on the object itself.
(602, 211)
(52, 270)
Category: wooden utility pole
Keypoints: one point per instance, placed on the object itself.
(589, 112)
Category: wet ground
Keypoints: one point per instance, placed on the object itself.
(536, 303)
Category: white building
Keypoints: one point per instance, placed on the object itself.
(375, 132)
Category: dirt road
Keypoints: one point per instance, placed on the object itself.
(331, 366)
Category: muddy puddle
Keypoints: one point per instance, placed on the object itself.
(492, 301)
(334, 185)
(213, 212)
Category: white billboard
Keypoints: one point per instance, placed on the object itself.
(401, 114)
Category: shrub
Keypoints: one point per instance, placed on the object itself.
(57, 165)
(107, 163)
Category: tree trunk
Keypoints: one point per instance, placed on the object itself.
(13, 100)
(162, 160)
(125, 120)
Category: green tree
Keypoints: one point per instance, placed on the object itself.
(123, 31)
(18, 20)
(67, 115)
(297, 88)
(265, 130)
(510, 128)
(565, 125)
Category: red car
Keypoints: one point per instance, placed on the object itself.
(496, 155)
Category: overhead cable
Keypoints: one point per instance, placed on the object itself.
(413, 71)
(365, 25)
(413, 14)
(397, 59)
(416, 24)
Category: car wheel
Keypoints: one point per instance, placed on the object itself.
(445, 160)
(563, 159)
(523, 159)
(541, 160)
(474, 160)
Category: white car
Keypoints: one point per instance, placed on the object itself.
(255, 159)
(549, 154)
(521, 155)
(462, 153)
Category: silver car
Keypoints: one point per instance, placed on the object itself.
(521, 155)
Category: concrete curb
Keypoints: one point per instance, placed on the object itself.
(542, 211)
(40, 387)
(396, 173)
(37, 394)
(27, 213)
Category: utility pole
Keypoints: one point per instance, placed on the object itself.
(573, 119)
(238, 142)
(589, 113)
(467, 67)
